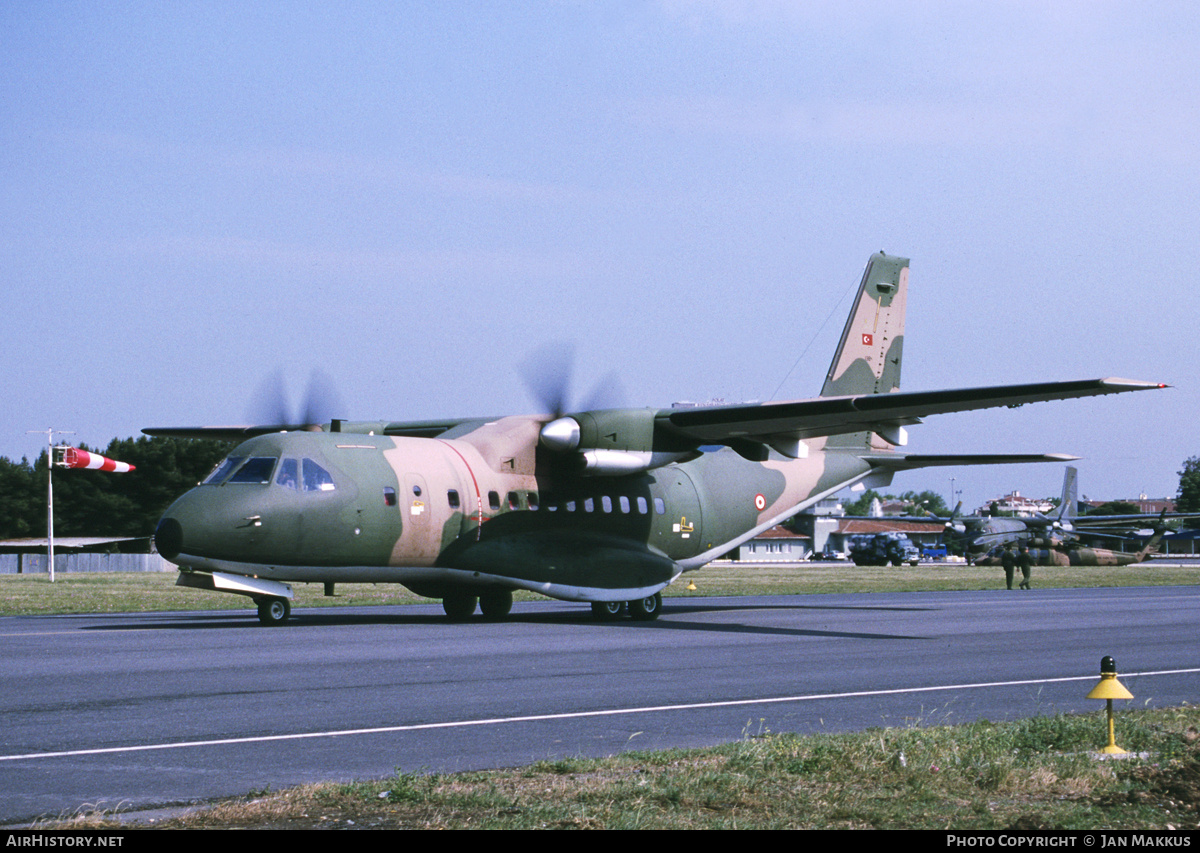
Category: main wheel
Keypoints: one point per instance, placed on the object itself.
(495, 604)
(459, 607)
(274, 611)
(646, 609)
(608, 610)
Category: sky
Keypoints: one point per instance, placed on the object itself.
(413, 198)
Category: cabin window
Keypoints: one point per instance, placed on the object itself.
(570, 506)
(416, 491)
(452, 498)
(606, 503)
(659, 506)
(625, 504)
(642, 508)
(533, 501)
(514, 500)
(494, 500)
(289, 474)
(257, 471)
(589, 504)
(389, 496)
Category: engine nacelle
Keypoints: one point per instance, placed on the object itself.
(615, 463)
(611, 442)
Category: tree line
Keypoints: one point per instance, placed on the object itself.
(99, 503)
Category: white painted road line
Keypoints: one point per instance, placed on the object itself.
(574, 715)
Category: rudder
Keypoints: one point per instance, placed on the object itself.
(867, 360)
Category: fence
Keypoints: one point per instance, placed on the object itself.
(63, 563)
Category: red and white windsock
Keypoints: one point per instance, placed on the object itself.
(75, 458)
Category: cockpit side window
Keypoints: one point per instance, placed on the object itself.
(257, 470)
(224, 467)
(316, 478)
(289, 474)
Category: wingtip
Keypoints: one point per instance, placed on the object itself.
(1118, 384)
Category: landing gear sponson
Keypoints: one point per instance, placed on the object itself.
(273, 599)
(496, 604)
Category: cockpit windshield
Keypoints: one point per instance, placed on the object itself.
(301, 475)
(223, 469)
(304, 475)
(257, 470)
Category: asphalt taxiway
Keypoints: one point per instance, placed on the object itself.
(134, 710)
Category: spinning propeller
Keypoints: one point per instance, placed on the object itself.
(321, 403)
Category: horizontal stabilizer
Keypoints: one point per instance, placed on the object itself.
(907, 461)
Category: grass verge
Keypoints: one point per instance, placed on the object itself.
(119, 592)
(1030, 774)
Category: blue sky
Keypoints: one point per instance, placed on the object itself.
(414, 197)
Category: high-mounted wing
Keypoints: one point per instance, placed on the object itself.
(421, 429)
(777, 424)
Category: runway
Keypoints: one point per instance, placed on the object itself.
(136, 710)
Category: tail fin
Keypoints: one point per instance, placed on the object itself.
(867, 360)
(1069, 505)
(1152, 546)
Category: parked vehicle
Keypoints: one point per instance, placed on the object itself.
(829, 555)
(881, 549)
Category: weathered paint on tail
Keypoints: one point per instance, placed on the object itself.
(867, 360)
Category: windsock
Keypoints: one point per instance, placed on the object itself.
(74, 458)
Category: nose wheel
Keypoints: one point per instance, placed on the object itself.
(274, 611)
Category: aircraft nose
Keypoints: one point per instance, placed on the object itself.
(168, 538)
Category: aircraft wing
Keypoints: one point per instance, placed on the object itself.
(881, 413)
(1083, 522)
(423, 429)
(220, 433)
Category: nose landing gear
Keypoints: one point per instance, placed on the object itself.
(273, 611)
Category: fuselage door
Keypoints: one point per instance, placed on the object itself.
(678, 527)
(422, 535)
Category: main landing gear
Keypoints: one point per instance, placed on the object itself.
(640, 609)
(496, 604)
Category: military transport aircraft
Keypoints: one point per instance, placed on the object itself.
(1053, 537)
(606, 506)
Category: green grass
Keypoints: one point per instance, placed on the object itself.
(117, 592)
(1030, 774)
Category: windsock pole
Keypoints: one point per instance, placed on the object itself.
(49, 433)
(65, 456)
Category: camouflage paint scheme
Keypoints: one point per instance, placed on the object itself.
(1061, 554)
(605, 506)
(1049, 538)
